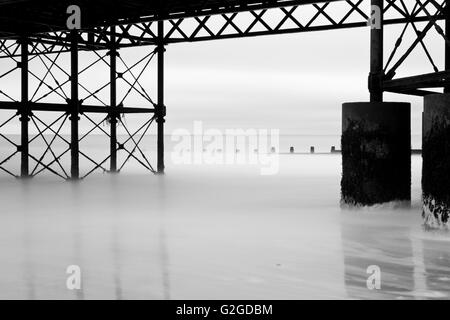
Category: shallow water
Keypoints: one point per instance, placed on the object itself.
(215, 232)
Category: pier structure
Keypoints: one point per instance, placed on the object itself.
(54, 33)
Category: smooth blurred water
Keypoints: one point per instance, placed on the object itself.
(214, 232)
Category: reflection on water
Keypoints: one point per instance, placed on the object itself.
(214, 232)
(367, 245)
(413, 263)
(437, 271)
(411, 266)
(163, 246)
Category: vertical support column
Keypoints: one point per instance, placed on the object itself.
(435, 154)
(376, 153)
(376, 137)
(113, 100)
(160, 109)
(436, 149)
(376, 53)
(447, 44)
(24, 112)
(74, 107)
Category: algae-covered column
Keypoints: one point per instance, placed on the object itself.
(376, 152)
(376, 137)
(436, 164)
(436, 150)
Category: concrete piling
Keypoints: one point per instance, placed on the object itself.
(376, 153)
(436, 165)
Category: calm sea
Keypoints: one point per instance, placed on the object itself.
(215, 231)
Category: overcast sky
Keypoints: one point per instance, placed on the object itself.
(293, 82)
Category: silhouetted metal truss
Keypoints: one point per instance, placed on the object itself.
(414, 85)
(278, 18)
(50, 95)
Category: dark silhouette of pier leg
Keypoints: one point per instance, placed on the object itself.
(376, 137)
(113, 101)
(376, 56)
(24, 112)
(447, 44)
(376, 152)
(436, 149)
(436, 152)
(160, 108)
(74, 107)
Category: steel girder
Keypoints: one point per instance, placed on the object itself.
(277, 18)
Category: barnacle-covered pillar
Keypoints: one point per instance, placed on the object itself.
(436, 150)
(376, 152)
(436, 164)
(376, 136)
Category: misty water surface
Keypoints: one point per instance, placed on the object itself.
(214, 232)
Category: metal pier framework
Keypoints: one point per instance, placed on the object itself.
(42, 58)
